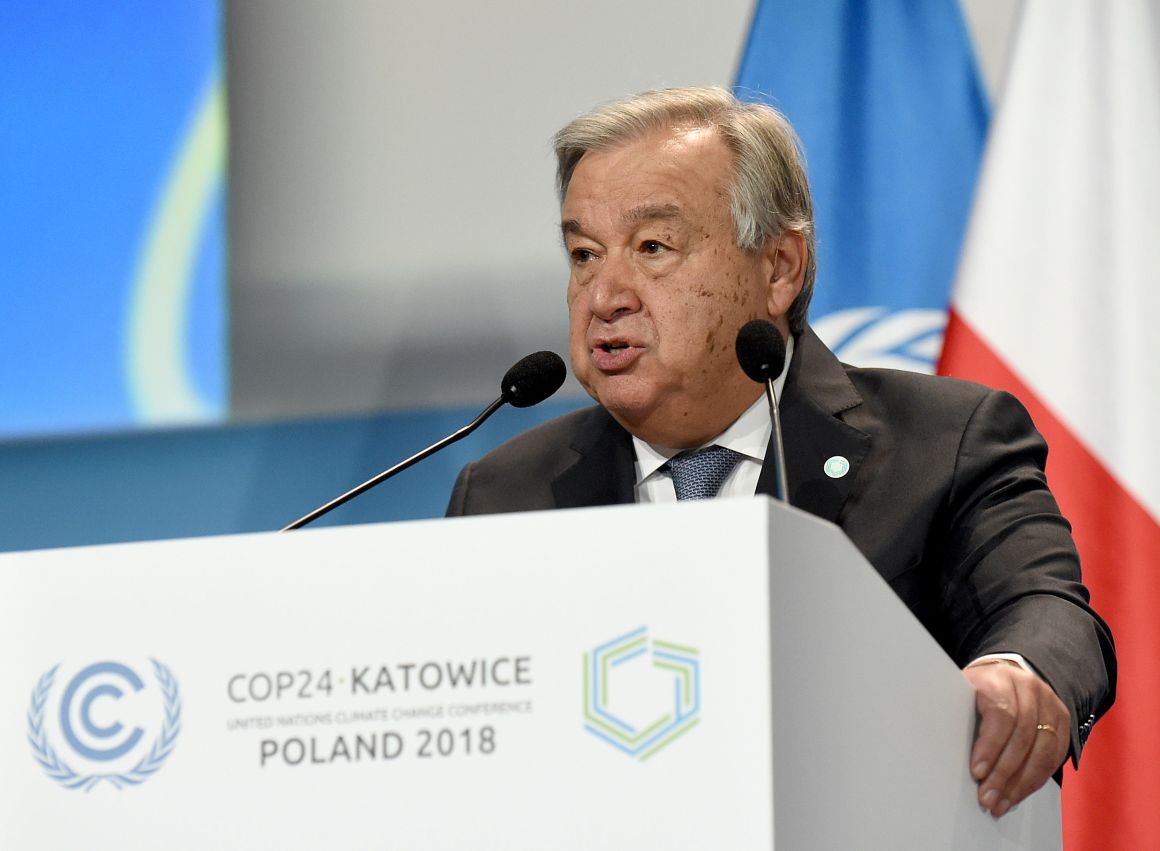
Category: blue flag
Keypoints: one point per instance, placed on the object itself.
(887, 100)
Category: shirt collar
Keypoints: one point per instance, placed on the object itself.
(748, 435)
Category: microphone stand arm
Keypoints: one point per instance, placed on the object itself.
(401, 466)
(781, 486)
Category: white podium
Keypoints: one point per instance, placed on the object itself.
(605, 678)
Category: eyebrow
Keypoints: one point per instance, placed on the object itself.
(643, 213)
(651, 212)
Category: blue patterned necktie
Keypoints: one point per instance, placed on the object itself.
(699, 475)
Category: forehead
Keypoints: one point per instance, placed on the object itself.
(668, 174)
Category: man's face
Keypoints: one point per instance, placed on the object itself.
(659, 288)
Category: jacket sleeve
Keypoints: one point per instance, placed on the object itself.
(1011, 573)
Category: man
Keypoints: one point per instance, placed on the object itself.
(685, 214)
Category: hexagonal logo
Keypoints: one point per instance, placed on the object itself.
(641, 694)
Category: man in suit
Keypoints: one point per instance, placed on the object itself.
(685, 214)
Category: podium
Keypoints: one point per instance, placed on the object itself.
(724, 674)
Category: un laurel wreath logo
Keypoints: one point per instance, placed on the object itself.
(101, 680)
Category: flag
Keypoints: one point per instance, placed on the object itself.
(1054, 301)
(887, 100)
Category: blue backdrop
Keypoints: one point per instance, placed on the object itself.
(112, 145)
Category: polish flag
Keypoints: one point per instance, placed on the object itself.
(1057, 300)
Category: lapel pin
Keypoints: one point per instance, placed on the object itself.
(836, 466)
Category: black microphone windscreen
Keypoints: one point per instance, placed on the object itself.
(760, 350)
(533, 379)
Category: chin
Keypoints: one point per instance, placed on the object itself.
(623, 409)
(623, 395)
(637, 417)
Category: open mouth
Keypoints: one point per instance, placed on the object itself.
(614, 355)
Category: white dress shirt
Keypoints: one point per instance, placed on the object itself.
(748, 436)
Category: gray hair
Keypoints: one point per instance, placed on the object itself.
(769, 193)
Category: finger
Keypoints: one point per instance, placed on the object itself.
(993, 789)
(997, 704)
(1046, 755)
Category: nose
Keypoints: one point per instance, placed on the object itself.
(612, 292)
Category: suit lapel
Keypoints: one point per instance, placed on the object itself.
(816, 391)
(603, 473)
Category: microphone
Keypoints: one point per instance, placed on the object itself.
(529, 382)
(533, 379)
(761, 353)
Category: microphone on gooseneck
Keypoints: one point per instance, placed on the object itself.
(532, 380)
(529, 382)
(761, 353)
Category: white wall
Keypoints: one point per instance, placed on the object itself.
(393, 232)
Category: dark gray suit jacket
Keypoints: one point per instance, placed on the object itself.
(945, 496)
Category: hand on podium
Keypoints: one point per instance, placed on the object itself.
(1023, 734)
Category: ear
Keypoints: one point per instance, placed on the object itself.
(785, 255)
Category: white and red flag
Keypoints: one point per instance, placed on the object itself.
(1057, 299)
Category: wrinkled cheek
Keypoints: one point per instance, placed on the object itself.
(578, 286)
(577, 309)
(578, 319)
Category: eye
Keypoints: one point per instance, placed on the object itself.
(582, 255)
(651, 246)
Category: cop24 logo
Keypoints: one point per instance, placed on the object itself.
(100, 724)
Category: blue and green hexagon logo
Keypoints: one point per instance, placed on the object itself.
(641, 694)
